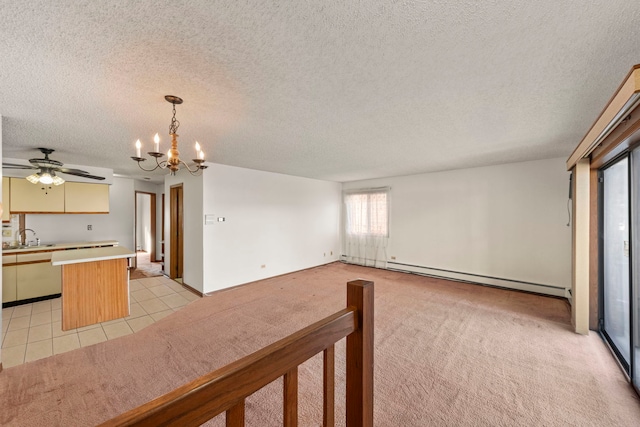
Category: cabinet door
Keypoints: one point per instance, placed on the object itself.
(9, 278)
(36, 277)
(35, 198)
(6, 197)
(86, 198)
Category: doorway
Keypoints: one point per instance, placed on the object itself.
(145, 233)
(176, 231)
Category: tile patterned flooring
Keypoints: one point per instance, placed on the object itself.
(33, 331)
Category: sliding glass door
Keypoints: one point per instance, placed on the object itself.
(616, 307)
(635, 268)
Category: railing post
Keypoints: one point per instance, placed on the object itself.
(360, 356)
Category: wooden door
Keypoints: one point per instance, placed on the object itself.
(176, 232)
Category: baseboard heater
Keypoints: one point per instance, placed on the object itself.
(477, 279)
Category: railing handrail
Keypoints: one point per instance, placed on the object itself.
(226, 388)
(203, 398)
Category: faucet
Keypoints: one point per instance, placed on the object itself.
(28, 243)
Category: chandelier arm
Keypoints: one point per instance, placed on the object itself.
(191, 171)
(161, 165)
(140, 160)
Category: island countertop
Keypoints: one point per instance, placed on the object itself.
(90, 254)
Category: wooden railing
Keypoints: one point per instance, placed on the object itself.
(227, 388)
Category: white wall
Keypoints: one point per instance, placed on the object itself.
(192, 210)
(506, 221)
(117, 225)
(283, 222)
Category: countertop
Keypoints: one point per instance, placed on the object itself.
(61, 246)
(90, 255)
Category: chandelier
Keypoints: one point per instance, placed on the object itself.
(173, 160)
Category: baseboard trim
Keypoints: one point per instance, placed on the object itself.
(29, 301)
(192, 290)
(478, 279)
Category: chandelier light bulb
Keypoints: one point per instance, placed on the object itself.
(201, 155)
(156, 141)
(138, 147)
(197, 147)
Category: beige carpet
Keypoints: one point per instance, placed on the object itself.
(446, 354)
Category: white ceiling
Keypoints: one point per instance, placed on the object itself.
(335, 90)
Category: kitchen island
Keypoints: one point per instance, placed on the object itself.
(27, 273)
(95, 285)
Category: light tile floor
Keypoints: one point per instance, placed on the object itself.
(33, 331)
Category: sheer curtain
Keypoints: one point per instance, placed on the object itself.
(366, 225)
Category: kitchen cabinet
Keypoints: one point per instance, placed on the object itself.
(81, 197)
(9, 278)
(36, 277)
(26, 197)
(6, 197)
(70, 197)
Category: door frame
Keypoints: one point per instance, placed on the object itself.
(152, 213)
(176, 231)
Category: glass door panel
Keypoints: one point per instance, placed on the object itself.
(635, 298)
(616, 250)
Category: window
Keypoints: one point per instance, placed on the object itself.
(367, 212)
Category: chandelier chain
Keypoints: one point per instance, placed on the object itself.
(173, 127)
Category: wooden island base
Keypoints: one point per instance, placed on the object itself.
(95, 285)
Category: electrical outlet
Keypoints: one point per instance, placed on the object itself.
(89, 227)
(6, 233)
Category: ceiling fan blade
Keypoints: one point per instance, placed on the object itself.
(17, 166)
(72, 171)
(78, 173)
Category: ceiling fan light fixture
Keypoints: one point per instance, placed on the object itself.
(34, 178)
(57, 180)
(46, 178)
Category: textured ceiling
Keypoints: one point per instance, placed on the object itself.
(336, 90)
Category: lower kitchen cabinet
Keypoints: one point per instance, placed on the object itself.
(9, 278)
(36, 277)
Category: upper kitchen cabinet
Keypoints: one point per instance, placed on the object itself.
(86, 198)
(6, 215)
(26, 197)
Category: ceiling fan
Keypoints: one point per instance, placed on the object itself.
(47, 170)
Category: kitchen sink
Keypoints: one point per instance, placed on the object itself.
(28, 247)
